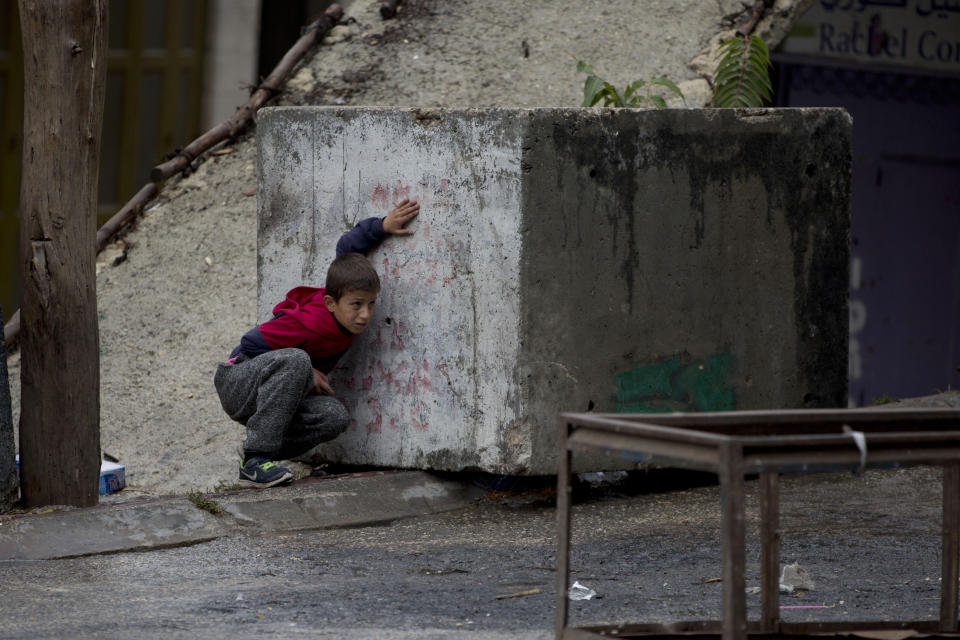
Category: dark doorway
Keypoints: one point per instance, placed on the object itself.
(280, 24)
(905, 226)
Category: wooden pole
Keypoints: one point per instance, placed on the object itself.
(126, 215)
(8, 464)
(64, 59)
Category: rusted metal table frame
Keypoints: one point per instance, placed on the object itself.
(732, 444)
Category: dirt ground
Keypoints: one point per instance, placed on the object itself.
(177, 293)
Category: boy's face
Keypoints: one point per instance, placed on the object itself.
(353, 310)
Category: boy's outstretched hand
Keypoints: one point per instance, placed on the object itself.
(403, 213)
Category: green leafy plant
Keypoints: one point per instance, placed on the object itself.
(742, 78)
(596, 89)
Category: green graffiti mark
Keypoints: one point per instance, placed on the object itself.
(677, 383)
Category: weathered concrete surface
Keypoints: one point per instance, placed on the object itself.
(428, 385)
(566, 260)
(314, 503)
(8, 465)
(706, 262)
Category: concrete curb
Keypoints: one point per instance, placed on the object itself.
(313, 503)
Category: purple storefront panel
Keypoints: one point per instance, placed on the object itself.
(905, 226)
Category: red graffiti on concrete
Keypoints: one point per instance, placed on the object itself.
(419, 380)
(418, 416)
(375, 425)
(391, 270)
(453, 274)
(386, 376)
(431, 268)
(396, 341)
(385, 196)
(400, 192)
(351, 404)
(418, 274)
(427, 266)
(397, 392)
(381, 196)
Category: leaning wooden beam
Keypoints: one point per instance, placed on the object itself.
(126, 215)
(748, 25)
(230, 128)
(267, 89)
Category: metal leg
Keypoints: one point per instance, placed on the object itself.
(563, 530)
(732, 507)
(949, 553)
(770, 549)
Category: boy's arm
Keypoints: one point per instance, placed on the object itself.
(370, 232)
(366, 235)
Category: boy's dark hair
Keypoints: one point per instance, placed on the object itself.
(351, 272)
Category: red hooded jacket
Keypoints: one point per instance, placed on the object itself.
(301, 321)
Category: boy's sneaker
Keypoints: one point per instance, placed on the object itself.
(262, 473)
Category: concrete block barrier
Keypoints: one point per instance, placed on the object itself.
(565, 260)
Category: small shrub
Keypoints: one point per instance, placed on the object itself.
(596, 89)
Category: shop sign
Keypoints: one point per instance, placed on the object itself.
(921, 34)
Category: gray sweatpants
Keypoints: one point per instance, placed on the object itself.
(272, 395)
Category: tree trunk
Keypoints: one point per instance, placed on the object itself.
(64, 59)
(8, 463)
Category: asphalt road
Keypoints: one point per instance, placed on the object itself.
(870, 544)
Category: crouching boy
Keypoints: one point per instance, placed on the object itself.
(275, 381)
